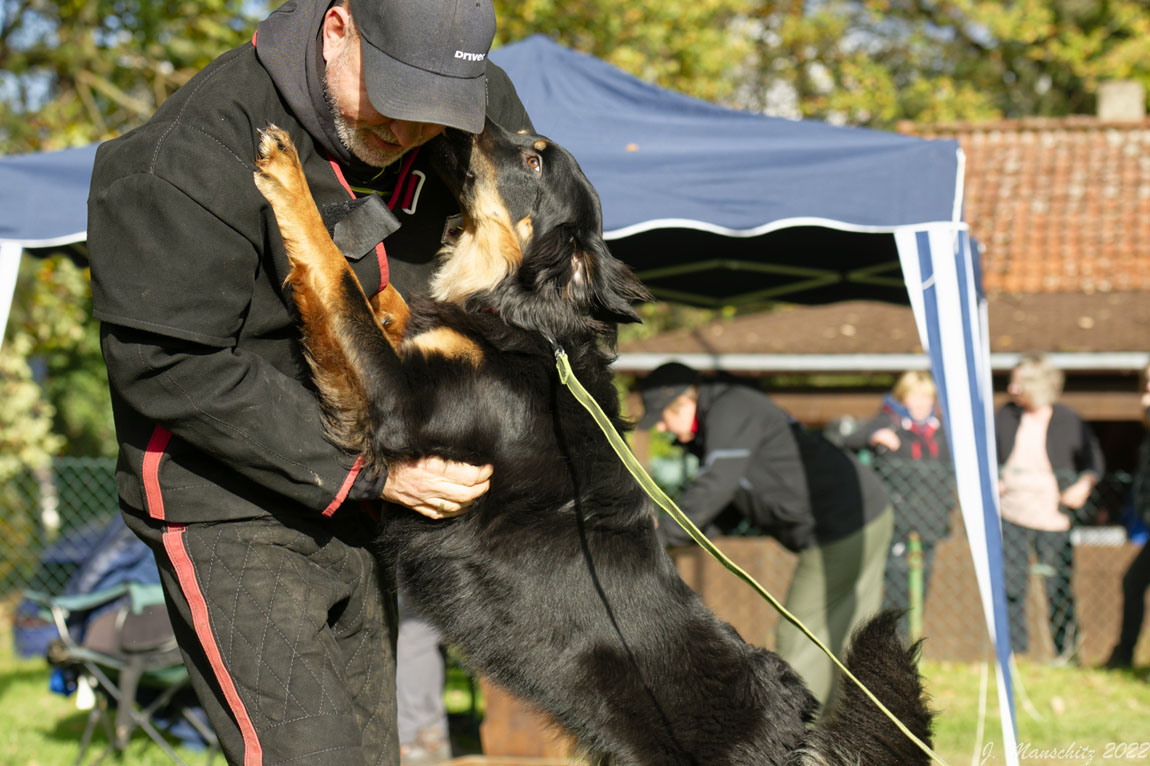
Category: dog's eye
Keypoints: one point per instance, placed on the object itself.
(535, 162)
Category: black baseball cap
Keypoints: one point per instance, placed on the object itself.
(665, 384)
(426, 60)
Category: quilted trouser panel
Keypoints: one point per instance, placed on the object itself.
(287, 636)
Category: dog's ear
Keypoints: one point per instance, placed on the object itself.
(614, 286)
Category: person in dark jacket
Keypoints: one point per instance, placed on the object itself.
(1049, 462)
(1136, 579)
(794, 485)
(258, 523)
(912, 458)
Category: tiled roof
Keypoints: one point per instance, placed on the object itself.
(1067, 322)
(1059, 204)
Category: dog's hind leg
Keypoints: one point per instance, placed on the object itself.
(340, 328)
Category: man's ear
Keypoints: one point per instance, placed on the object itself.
(337, 31)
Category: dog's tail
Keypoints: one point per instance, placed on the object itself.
(855, 731)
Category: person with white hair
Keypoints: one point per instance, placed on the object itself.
(1050, 462)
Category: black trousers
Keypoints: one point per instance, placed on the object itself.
(1135, 583)
(1054, 556)
(287, 635)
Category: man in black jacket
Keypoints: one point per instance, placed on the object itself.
(795, 486)
(258, 523)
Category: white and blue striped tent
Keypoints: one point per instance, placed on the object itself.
(713, 206)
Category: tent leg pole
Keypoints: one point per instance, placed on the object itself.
(10, 254)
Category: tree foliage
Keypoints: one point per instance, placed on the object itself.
(689, 45)
(54, 384)
(76, 71)
(940, 60)
(26, 437)
(862, 62)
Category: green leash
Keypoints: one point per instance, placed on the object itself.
(567, 378)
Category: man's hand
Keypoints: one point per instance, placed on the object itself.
(434, 487)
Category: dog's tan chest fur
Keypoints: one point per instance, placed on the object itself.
(490, 247)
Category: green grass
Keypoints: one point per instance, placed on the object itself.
(44, 729)
(1073, 710)
(1063, 714)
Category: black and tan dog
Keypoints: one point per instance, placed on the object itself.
(553, 584)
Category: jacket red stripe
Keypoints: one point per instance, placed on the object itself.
(345, 488)
(152, 457)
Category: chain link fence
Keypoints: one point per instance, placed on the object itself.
(1063, 587)
(1064, 592)
(49, 516)
(51, 519)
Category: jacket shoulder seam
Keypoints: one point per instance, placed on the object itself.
(179, 121)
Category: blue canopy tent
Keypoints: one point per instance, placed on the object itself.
(691, 190)
(713, 206)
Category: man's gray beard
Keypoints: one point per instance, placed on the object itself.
(353, 141)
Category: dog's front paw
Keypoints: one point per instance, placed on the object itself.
(278, 171)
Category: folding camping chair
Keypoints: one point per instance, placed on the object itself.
(128, 654)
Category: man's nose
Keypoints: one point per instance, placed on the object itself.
(410, 134)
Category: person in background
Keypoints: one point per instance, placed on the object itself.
(420, 674)
(814, 498)
(912, 457)
(1136, 580)
(1049, 462)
